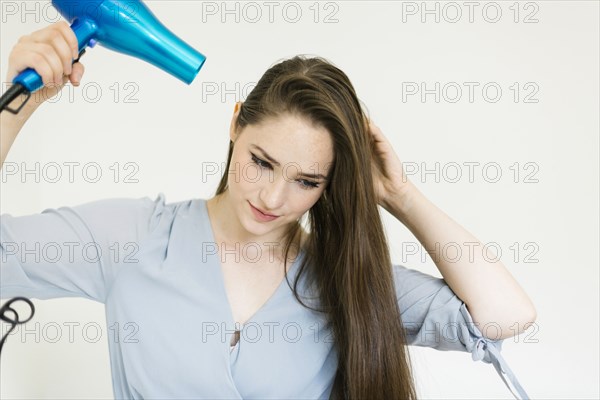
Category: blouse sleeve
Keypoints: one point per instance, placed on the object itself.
(433, 316)
(74, 251)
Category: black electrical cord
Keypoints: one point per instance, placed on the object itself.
(12, 93)
(13, 321)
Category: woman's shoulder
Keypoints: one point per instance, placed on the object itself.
(152, 211)
(184, 206)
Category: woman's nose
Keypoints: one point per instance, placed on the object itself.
(273, 194)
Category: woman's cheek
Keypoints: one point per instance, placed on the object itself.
(305, 198)
(244, 175)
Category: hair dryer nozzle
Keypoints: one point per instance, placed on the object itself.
(126, 26)
(129, 27)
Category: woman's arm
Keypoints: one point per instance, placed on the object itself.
(50, 51)
(11, 124)
(489, 291)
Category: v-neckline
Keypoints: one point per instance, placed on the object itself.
(216, 262)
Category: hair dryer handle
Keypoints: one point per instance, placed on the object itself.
(84, 30)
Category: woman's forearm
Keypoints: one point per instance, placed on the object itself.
(490, 292)
(11, 125)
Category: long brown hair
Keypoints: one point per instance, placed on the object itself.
(346, 251)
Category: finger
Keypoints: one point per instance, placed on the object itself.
(377, 133)
(62, 38)
(52, 32)
(70, 37)
(78, 70)
(65, 50)
(46, 51)
(372, 125)
(53, 59)
(24, 56)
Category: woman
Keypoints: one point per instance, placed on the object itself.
(301, 146)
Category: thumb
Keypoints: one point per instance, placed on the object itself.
(77, 73)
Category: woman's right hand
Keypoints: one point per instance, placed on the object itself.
(50, 52)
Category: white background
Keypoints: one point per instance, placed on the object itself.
(173, 131)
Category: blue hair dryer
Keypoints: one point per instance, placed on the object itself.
(125, 26)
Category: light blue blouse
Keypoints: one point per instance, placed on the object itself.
(156, 268)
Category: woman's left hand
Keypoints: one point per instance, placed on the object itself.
(389, 178)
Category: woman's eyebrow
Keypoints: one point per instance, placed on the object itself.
(264, 153)
(272, 160)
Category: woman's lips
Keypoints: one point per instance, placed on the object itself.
(259, 215)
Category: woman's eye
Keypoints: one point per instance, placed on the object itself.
(304, 184)
(260, 162)
(308, 184)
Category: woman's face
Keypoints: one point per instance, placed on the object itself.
(279, 167)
